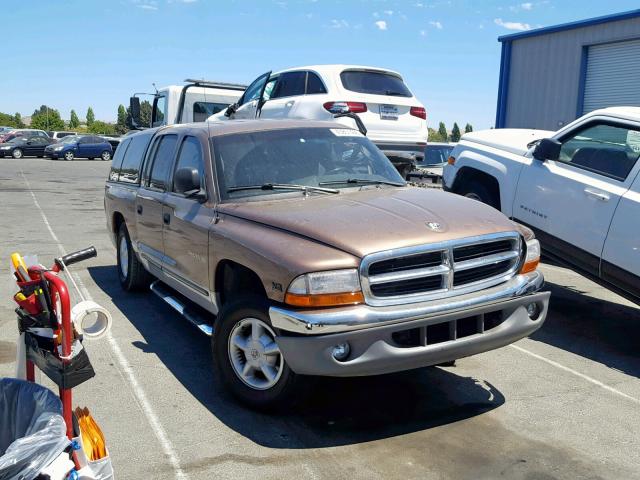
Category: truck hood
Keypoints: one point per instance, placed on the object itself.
(514, 140)
(375, 219)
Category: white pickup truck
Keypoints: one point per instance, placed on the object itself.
(577, 188)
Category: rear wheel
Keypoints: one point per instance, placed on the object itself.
(91, 158)
(17, 153)
(106, 156)
(68, 156)
(479, 191)
(247, 357)
(131, 272)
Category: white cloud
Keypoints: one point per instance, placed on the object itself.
(423, 33)
(512, 25)
(526, 6)
(419, 5)
(437, 25)
(375, 14)
(146, 4)
(388, 12)
(381, 24)
(342, 23)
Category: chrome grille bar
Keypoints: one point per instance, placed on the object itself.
(488, 260)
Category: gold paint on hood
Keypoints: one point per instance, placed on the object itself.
(367, 220)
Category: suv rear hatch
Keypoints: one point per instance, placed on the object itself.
(392, 113)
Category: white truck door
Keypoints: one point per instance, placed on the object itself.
(621, 255)
(248, 103)
(571, 201)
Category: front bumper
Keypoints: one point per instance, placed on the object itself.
(373, 333)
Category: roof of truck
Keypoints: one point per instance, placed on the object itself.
(243, 126)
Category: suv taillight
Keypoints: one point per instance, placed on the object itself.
(419, 112)
(341, 107)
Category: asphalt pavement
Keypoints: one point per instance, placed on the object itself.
(563, 404)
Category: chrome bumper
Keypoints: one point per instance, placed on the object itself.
(345, 319)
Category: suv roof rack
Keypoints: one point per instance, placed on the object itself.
(207, 83)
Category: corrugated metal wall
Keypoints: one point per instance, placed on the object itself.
(613, 75)
(545, 73)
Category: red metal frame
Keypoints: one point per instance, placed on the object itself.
(59, 299)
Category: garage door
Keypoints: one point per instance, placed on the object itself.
(613, 75)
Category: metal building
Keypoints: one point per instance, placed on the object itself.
(551, 76)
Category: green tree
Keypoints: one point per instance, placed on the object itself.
(74, 121)
(145, 114)
(455, 133)
(102, 128)
(18, 120)
(442, 131)
(91, 117)
(7, 120)
(121, 125)
(434, 136)
(46, 118)
(468, 128)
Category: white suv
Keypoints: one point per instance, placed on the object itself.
(394, 119)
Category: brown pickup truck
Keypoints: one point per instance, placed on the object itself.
(300, 249)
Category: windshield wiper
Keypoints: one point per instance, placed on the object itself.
(363, 181)
(282, 186)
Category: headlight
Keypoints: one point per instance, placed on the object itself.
(325, 289)
(57, 149)
(6, 147)
(532, 258)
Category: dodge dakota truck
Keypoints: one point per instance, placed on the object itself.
(299, 248)
(577, 188)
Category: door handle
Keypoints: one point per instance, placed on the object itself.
(289, 103)
(166, 218)
(597, 194)
(139, 209)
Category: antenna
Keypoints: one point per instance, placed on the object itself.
(154, 87)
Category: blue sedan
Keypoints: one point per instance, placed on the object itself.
(80, 146)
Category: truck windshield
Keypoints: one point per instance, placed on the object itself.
(313, 157)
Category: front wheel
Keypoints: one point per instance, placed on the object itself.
(106, 156)
(131, 272)
(479, 191)
(247, 357)
(17, 153)
(68, 156)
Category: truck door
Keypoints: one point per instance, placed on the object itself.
(621, 256)
(150, 199)
(571, 201)
(186, 228)
(249, 102)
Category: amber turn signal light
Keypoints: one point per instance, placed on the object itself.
(324, 299)
(530, 266)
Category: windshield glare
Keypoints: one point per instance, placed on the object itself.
(301, 156)
(69, 139)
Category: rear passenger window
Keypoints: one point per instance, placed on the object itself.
(116, 165)
(162, 161)
(290, 84)
(130, 170)
(314, 84)
(190, 156)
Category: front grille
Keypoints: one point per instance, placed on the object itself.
(439, 270)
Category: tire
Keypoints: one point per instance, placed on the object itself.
(106, 156)
(17, 153)
(479, 191)
(236, 322)
(68, 156)
(39, 156)
(131, 273)
(91, 158)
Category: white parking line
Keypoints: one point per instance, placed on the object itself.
(577, 374)
(139, 393)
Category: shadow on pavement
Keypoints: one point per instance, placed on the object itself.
(603, 331)
(333, 412)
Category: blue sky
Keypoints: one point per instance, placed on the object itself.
(72, 54)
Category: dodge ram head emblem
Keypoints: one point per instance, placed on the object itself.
(435, 226)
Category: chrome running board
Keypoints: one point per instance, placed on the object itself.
(183, 306)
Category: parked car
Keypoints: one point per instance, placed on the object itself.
(577, 188)
(25, 147)
(80, 146)
(5, 129)
(436, 155)
(22, 132)
(394, 119)
(58, 135)
(114, 141)
(310, 255)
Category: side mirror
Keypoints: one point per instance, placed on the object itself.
(134, 108)
(547, 149)
(231, 109)
(187, 182)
